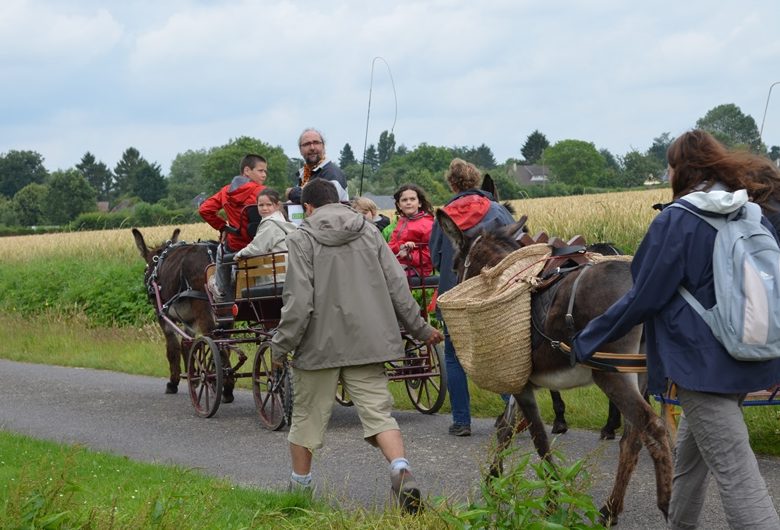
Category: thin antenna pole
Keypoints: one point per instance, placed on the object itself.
(368, 115)
(761, 132)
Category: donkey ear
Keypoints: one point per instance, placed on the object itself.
(490, 186)
(140, 243)
(450, 229)
(175, 236)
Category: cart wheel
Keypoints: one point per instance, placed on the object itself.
(342, 398)
(274, 405)
(204, 376)
(429, 390)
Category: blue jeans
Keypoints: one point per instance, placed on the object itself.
(457, 384)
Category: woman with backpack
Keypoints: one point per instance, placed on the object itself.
(677, 251)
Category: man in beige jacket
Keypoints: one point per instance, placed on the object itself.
(344, 296)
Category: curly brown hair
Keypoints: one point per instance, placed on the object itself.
(696, 157)
(425, 204)
(463, 175)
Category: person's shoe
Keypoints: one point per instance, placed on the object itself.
(406, 491)
(296, 487)
(460, 429)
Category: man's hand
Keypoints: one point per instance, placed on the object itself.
(435, 338)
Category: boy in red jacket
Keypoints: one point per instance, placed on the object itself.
(232, 198)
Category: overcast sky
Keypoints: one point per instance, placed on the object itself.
(168, 76)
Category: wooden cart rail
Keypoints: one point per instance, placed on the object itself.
(670, 405)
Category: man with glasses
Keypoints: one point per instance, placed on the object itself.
(312, 146)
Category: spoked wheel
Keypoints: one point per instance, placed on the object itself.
(428, 391)
(204, 376)
(342, 398)
(272, 391)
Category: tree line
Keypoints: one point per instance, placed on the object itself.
(31, 195)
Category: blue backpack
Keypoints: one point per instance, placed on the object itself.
(746, 271)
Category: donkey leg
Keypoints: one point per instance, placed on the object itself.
(173, 351)
(504, 433)
(559, 408)
(527, 402)
(613, 422)
(641, 424)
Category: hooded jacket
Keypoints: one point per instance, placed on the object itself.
(472, 210)
(677, 250)
(417, 229)
(232, 198)
(345, 295)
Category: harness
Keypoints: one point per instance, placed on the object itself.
(151, 277)
(565, 259)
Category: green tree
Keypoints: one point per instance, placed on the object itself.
(18, 169)
(638, 167)
(347, 157)
(731, 126)
(534, 146)
(148, 183)
(30, 205)
(480, 156)
(774, 153)
(97, 174)
(660, 146)
(185, 180)
(69, 195)
(371, 158)
(574, 162)
(222, 163)
(125, 170)
(385, 147)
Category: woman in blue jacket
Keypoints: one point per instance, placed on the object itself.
(677, 250)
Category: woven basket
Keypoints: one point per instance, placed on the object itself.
(488, 318)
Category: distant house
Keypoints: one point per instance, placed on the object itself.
(529, 174)
(383, 202)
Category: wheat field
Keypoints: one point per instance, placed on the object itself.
(621, 218)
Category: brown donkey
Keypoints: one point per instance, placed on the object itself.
(598, 288)
(178, 269)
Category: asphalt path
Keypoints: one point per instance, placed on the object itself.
(130, 415)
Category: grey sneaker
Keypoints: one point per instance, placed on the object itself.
(460, 429)
(406, 491)
(297, 487)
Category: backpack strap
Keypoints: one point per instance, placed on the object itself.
(717, 223)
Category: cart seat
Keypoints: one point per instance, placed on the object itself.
(263, 291)
(428, 281)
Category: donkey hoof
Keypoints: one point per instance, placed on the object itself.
(606, 517)
(559, 427)
(171, 388)
(227, 398)
(607, 435)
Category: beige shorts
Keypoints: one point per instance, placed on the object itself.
(314, 393)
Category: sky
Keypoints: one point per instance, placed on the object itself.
(176, 75)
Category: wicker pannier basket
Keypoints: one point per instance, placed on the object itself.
(488, 318)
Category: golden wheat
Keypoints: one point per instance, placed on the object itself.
(100, 244)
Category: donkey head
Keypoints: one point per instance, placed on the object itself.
(149, 254)
(485, 248)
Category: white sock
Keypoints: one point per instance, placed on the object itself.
(303, 480)
(398, 464)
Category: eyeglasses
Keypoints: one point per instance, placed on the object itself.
(313, 142)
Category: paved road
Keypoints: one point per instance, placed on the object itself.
(129, 415)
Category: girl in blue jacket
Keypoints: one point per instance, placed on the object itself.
(677, 250)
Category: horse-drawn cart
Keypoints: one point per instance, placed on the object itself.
(216, 356)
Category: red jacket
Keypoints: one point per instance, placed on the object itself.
(231, 198)
(418, 230)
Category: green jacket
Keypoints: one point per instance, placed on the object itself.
(345, 295)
